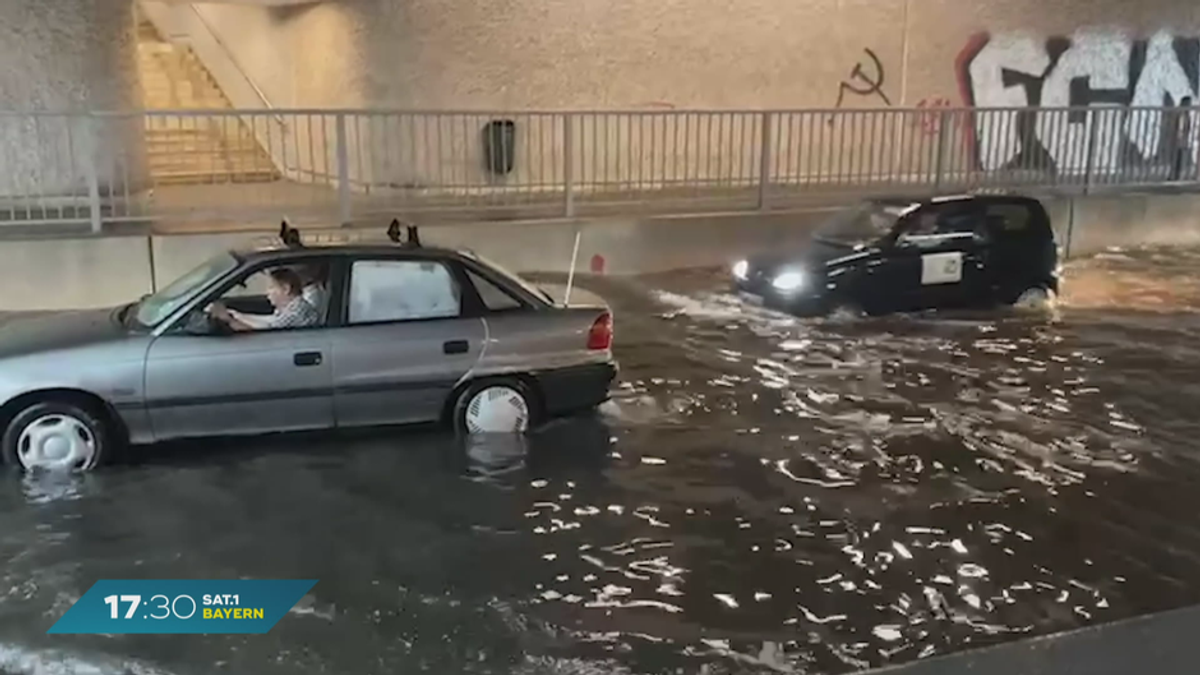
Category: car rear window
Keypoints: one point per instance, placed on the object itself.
(494, 298)
(513, 277)
(1012, 218)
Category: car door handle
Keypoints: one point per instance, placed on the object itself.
(307, 359)
(455, 347)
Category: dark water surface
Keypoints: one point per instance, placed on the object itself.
(763, 495)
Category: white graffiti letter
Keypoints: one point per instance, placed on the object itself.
(997, 132)
(1103, 60)
(1163, 77)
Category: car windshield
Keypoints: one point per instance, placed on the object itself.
(155, 307)
(859, 225)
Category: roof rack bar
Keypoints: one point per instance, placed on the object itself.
(412, 238)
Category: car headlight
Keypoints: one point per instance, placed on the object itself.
(741, 268)
(788, 281)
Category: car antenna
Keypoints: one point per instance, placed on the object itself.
(289, 235)
(571, 271)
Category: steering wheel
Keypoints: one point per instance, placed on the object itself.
(203, 323)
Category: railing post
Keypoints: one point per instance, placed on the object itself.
(939, 161)
(764, 161)
(343, 169)
(568, 165)
(1090, 166)
(90, 134)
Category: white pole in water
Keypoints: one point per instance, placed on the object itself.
(571, 273)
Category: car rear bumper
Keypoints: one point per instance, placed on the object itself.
(575, 388)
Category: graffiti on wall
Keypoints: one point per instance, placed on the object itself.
(866, 79)
(930, 117)
(1090, 68)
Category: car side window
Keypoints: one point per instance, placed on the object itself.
(935, 224)
(274, 298)
(401, 290)
(494, 298)
(925, 224)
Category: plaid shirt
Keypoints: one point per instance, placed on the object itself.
(296, 314)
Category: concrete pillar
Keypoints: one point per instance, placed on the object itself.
(60, 57)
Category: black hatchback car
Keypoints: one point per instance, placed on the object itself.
(894, 255)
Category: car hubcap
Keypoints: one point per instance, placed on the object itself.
(497, 410)
(56, 442)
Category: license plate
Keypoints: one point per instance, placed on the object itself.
(751, 298)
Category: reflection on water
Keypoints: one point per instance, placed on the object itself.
(764, 494)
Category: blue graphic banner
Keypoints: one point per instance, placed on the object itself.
(176, 606)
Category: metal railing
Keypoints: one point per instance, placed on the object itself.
(341, 166)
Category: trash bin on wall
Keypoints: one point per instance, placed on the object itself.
(499, 146)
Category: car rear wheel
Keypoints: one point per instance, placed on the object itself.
(494, 406)
(56, 436)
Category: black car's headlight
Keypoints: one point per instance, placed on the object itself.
(789, 281)
(741, 269)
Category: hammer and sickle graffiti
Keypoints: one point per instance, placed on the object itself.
(861, 81)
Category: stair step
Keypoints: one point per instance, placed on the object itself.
(248, 161)
(211, 154)
(246, 144)
(200, 129)
(210, 149)
(216, 174)
(187, 178)
(233, 161)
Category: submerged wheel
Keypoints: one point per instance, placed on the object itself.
(56, 436)
(1034, 298)
(843, 310)
(494, 407)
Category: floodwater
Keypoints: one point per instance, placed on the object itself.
(763, 494)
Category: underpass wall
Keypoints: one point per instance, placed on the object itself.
(654, 56)
(91, 272)
(57, 57)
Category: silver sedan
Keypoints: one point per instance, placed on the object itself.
(389, 335)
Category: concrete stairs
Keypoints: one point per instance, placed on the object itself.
(193, 148)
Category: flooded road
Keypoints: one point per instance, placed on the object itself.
(764, 494)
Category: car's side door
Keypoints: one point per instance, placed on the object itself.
(406, 339)
(1022, 252)
(938, 258)
(205, 382)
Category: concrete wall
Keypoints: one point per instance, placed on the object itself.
(301, 56)
(662, 55)
(73, 273)
(652, 55)
(67, 55)
(106, 271)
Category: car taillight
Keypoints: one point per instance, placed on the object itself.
(601, 334)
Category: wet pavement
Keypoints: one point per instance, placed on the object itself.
(763, 494)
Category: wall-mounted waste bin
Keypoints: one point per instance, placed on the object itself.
(499, 146)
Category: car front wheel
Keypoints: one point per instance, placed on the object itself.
(1035, 298)
(494, 406)
(56, 436)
